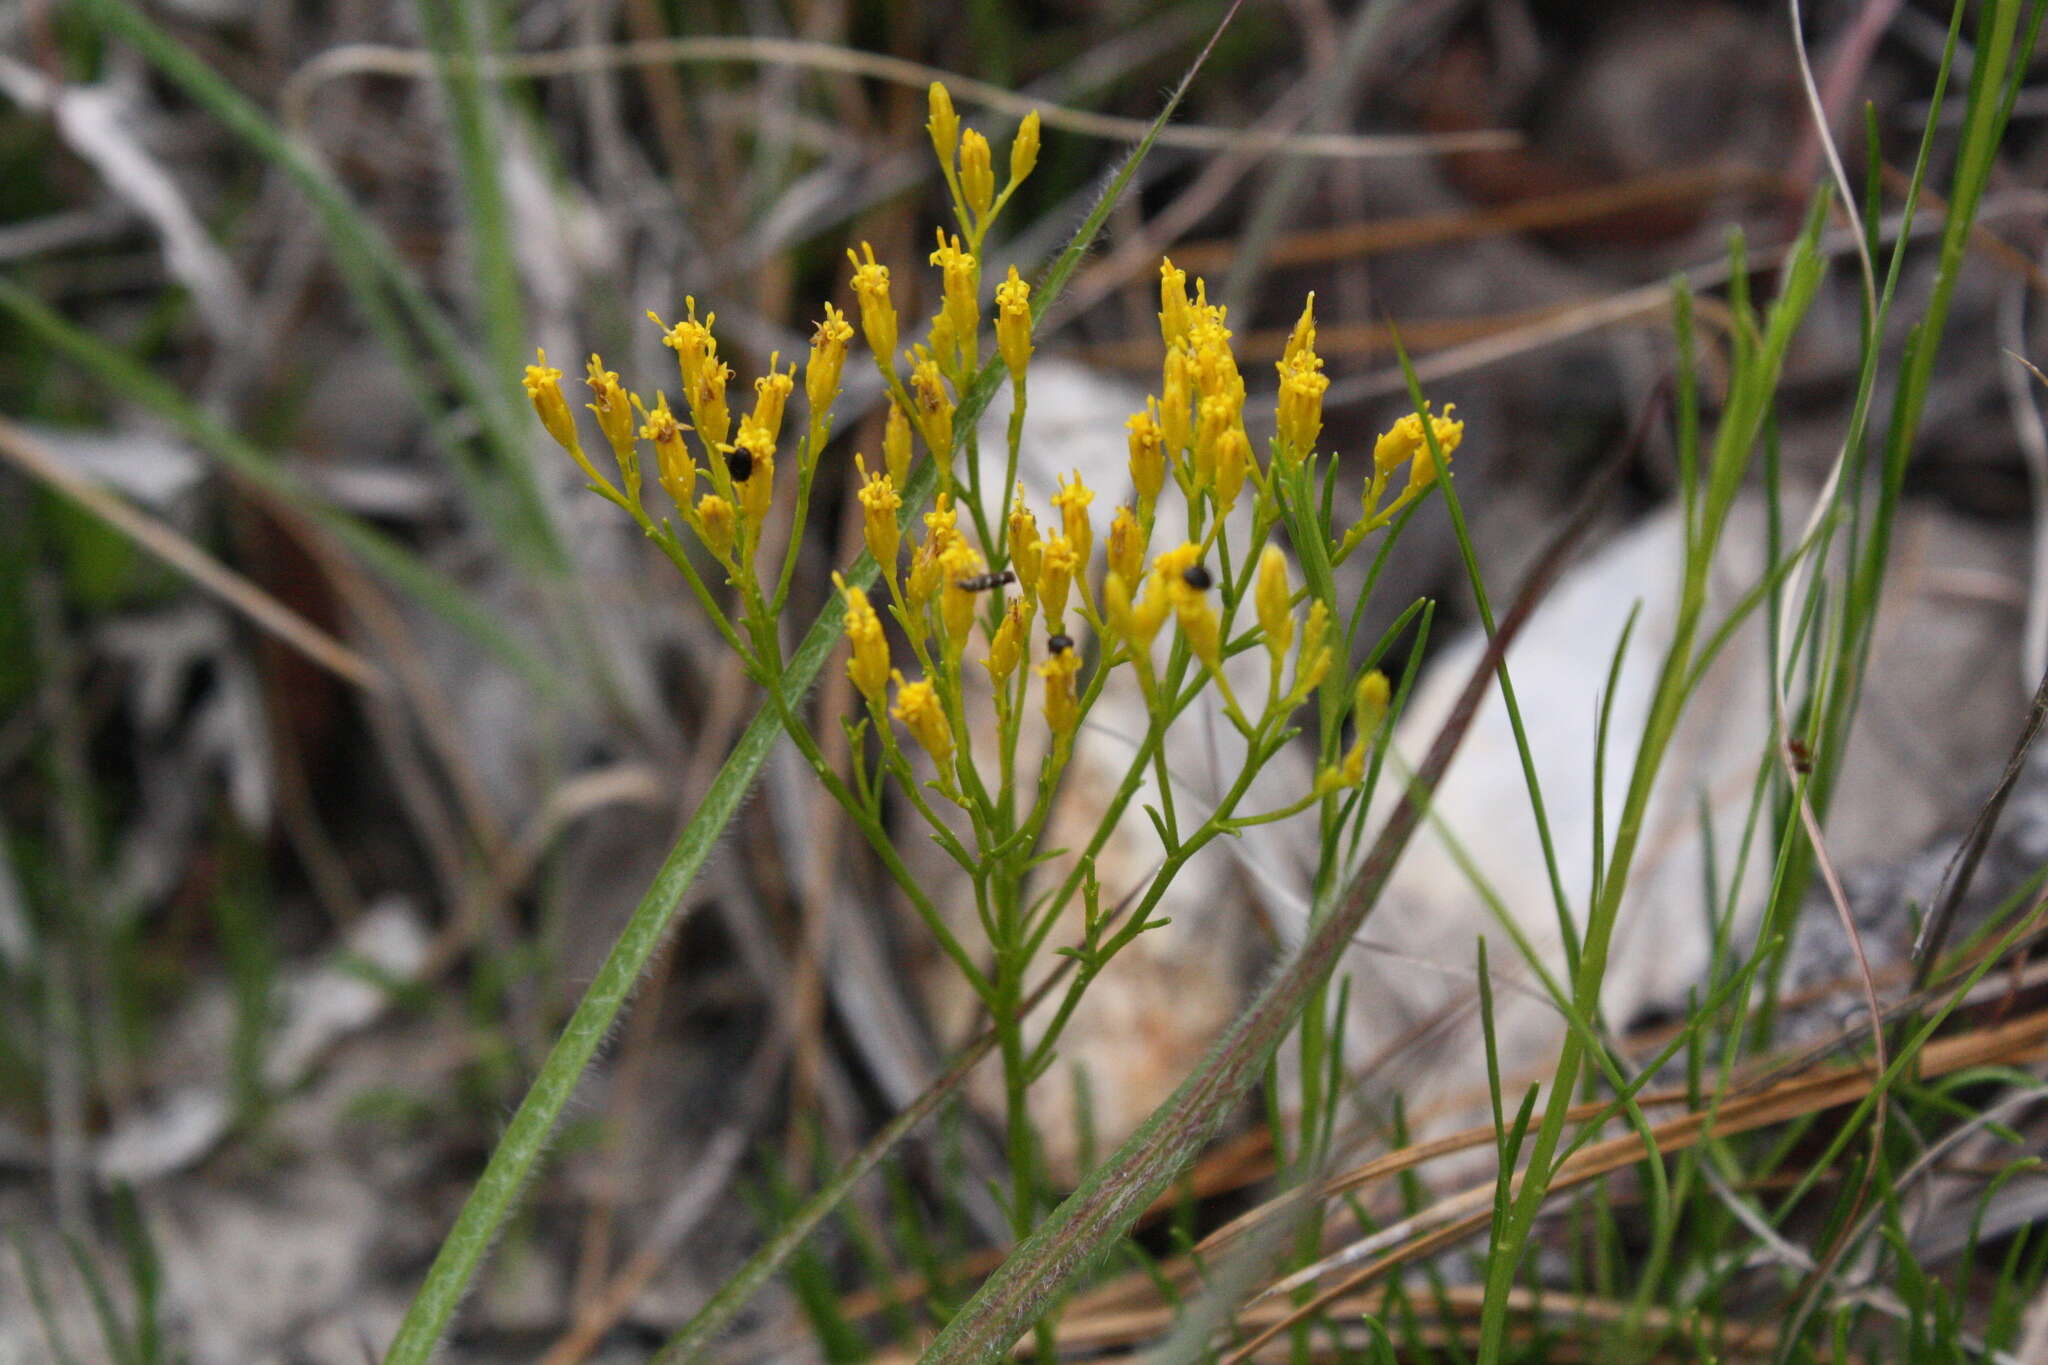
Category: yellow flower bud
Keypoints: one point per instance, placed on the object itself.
(1422, 469)
(1056, 566)
(543, 385)
(941, 524)
(1007, 648)
(1312, 662)
(917, 706)
(715, 524)
(879, 504)
(1071, 502)
(1175, 405)
(771, 397)
(1274, 597)
(1150, 614)
(1173, 303)
(1214, 417)
(1148, 455)
(943, 125)
(896, 446)
(1126, 550)
(977, 175)
(752, 455)
(1025, 547)
(1200, 628)
(1062, 706)
(707, 404)
(828, 359)
(692, 342)
(1116, 604)
(674, 468)
(934, 406)
(1233, 464)
(868, 664)
(877, 313)
(960, 565)
(1369, 701)
(1302, 341)
(922, 583)
(1013, 325)
(1023, 151)
(1170, 568)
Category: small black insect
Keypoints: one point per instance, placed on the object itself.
(1197, 577)
(1058, 644)
(739, 463)
(982, 582)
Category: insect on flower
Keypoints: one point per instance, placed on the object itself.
(982, 582)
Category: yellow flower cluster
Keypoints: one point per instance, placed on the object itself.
(1001, 580)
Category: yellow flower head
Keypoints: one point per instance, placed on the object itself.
(1006, 649)
(1274, 597)
(1072, 504)
(1173, 303)
(1056, 566)
(1368, 709)
(896, 445)
(1013, 324)
(543, 385)
(1200, 627)
(1233, 464)
(868, 664)
(1403, 443)
(1062, 706)
(917, 706)
(941, 524)
(922, 583)
(613, 408)
(1312, 662)
(1148, 454)
(877, 313)
(771, 397)
(1173, 569)
(1025, 547)
(958, 324)
(1214, 417)
(1023, 151)
(715, 524)
(828, 359)
(1126, 549)
(943, 125)
(707, 403)
(961, 566)
(934, 405)
(1117, 610)
(692, 342)
(879, 505)
(977, 176)
(751, 462)
(674, 468)
(1176, 398)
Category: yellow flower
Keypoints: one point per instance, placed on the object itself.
(1148, 455)
(1274, 597)
(1368, 709)
(977, 176)
(1175, 405)
(896, 445)
(1117, 610)
(715, 524)
(868, 664)
(1200, 628)
(958, 325)
(934, 406)
(613, 408)
(1056, 566)
(1173, 303)
(751, 462)
(917, 706)
(692, 342)
(879, 503)
(674, 468)
(1312, 662)
(943, 125)
(1179, 578)
(961, 565)
(1024, 544)
(1302, 385)
(1172, 568)
(771, 397)
(1062, 706)
(1013, 324)
(707, 403)
(828, 359)
(1404, 442)
(543, 385)
(1007, 648)
(877, 313)
(1126, 550)
(1150, 613)
(1071, 502)
(1233, 464)
(941, 524)
(1023, 151)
